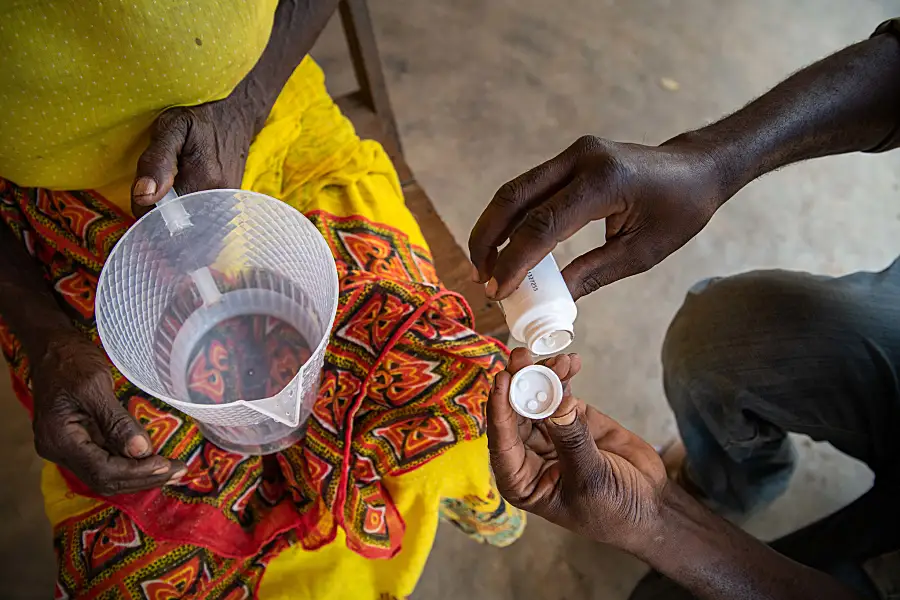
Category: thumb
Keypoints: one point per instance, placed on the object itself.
(158, 165)
(572, 438)
(607, 264)
(121, 431)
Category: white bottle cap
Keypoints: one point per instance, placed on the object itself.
(535, 392)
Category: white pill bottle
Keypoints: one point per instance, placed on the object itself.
(541, 313)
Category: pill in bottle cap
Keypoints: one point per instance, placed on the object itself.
(535, 392)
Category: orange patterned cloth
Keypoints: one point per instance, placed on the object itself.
(406, 378)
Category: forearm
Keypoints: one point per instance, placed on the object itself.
(296, 27)
(27, 304)
(717, 561)
(847, 102)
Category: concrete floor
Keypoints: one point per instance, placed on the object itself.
(485, 90)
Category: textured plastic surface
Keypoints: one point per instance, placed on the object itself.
(535, 392)
(224, 253)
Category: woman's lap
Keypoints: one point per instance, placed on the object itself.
(416, 441)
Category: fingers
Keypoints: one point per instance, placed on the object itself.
(102, 471)
(574, 444)
(206, 166)
(574, 366)
(510, 204)
(542, 228)
(123, 434)
(566, 366)
(519, 358)
(118, 457)
(158, 165)
(615, 260)
(506, 447)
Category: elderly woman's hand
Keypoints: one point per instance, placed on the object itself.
(81, 425)
(196, 148)
(205, 147)
(579, 468)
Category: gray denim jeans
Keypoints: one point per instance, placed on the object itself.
(748, 359)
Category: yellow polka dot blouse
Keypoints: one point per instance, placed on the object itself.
(82, 81)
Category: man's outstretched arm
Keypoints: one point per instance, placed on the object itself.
(656, 198)
(847, 102)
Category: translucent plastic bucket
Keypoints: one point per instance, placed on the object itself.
(220, 303)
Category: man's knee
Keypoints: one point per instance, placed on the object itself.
(740, 353)
(751, 356)
(743, 323)
(721, 376)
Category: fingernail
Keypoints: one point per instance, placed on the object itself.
(138, 446)
(161, 470)
(178, 475)
(145, 186)
(476, 276)
(491, 289)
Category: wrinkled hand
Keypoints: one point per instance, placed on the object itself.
(194, 148)
(579, 468)
(654, 200)
(80, 425)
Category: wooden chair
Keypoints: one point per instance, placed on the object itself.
(369, 109)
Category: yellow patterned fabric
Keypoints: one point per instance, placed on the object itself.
(309, 156)
(362, 181)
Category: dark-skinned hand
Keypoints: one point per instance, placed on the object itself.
(654, 199)
(81, 425)
(578, 468)
(195, 148)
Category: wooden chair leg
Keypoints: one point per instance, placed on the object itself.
(367, 64)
